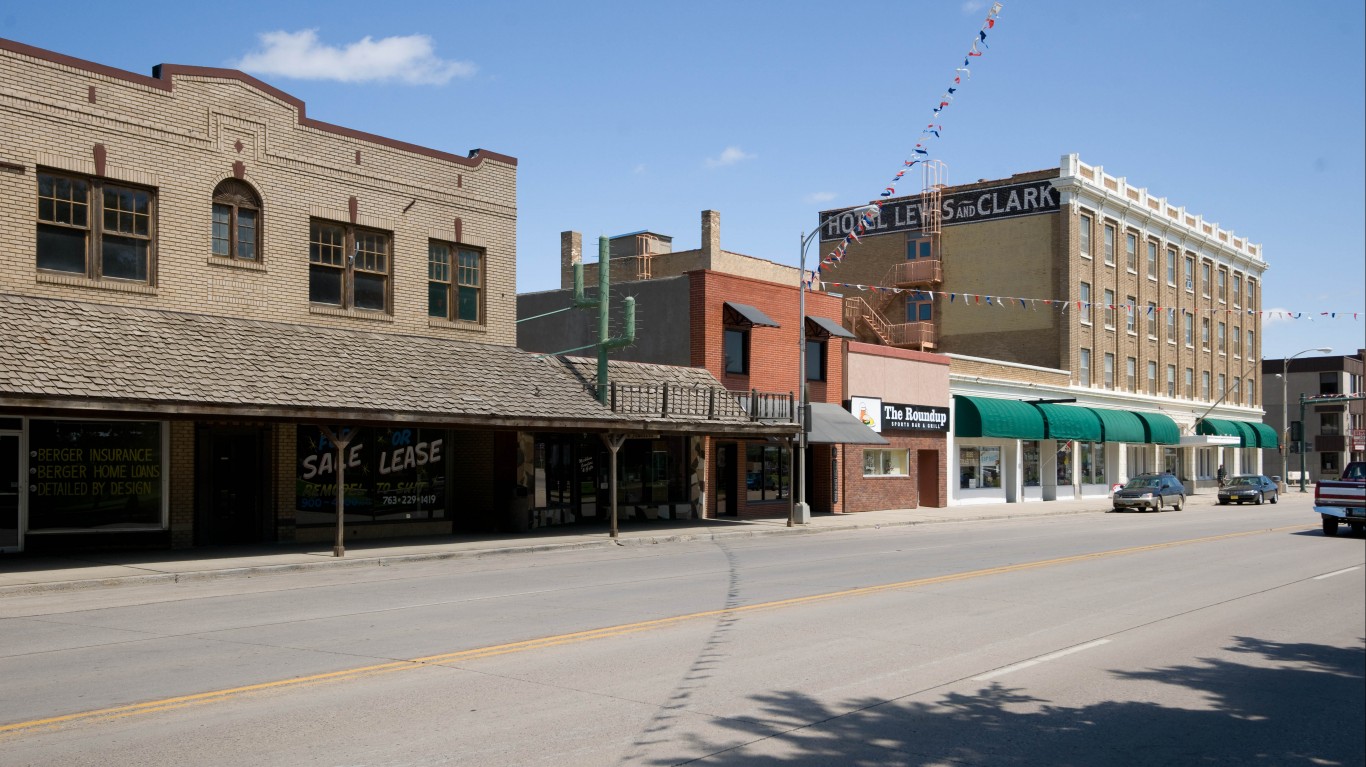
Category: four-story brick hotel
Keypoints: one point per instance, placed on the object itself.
(199, 283)
(1095, 331)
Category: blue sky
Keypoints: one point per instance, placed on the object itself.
(628, 116)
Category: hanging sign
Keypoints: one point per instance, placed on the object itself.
(905, 215)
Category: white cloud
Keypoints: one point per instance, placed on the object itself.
(408, 59)
(820, 197)
(973, 6)
(639, 169)
(730, 156)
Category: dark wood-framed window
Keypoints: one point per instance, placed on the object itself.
(236, 221)
(735, 347)
(95, 228)
(348, 266)
(455, 282)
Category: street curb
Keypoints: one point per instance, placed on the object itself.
(432, 556)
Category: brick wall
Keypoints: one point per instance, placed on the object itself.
(182, 135)
(182, 494)
(862, 493)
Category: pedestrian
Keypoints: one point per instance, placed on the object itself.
(1222, 475)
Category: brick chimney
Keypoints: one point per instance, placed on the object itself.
(571, 252)
(711, 237)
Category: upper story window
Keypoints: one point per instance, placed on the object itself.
(1084, 367)
(348, 266)
(1130, 309)
(815, 359)
(1152, 260)
(1152, 320)
(455, 282)
(1131, 373)
(1190, 329)
(1110, 244)
(1109, 309)
(1171, 325)
(919, 307)
(1152, 377)
(1251, 343)
(919, 248)
(1171, 380)
(1171, 266)
(1222, 278)
(1204, 333)
(1251, 293)
(95, 228)
(1204, 385)
(1190, 274)
(1085, 295)
(1190, 383)
(735, 347)
(1109, 370)
(1237, 291)
(1131, 251)
(1205, 278)
(1085, 229)
(236, 221)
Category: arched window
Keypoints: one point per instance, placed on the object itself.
(236, 221)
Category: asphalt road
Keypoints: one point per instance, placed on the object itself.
(1214, 635)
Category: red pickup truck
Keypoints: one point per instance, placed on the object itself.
(1342, 500)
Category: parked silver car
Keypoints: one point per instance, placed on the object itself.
(1249, 488)
(1151, 491)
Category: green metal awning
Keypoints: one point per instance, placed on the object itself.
(1266, 436)
(987, 417)
(1120, 426)
(1220, 427)
(1159, 429)
(1069, 422)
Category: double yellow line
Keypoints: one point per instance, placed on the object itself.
(166, 704)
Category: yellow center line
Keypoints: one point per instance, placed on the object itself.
(606, 632)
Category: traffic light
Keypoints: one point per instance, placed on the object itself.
(1297, 431)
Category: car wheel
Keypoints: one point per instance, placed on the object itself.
(1180, 502)
(1260, 498)
(1356, 527)
(1275, 497)
(1157, 505)
(1330, 525)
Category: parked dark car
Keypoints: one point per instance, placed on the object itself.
(1249, 488)
(1151, 491)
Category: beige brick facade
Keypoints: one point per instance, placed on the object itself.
(1040, 257)
(180, 134)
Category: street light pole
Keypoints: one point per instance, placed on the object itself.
(806, 240)
(1285, 412)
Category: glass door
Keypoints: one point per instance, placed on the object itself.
(9, 492)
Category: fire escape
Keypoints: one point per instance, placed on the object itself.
(869, 316)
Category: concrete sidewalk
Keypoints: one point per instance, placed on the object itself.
(27, 574)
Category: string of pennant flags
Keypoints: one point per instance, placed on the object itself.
(1064, 305)
(920, 153)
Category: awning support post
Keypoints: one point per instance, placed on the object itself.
(342, 442)
(614, 443)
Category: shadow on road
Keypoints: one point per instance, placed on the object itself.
(1290, 704)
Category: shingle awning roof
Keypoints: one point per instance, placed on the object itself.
(744, 314)
(63, 355)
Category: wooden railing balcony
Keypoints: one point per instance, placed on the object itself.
(710, 402)
(921, 271)
(913, 335)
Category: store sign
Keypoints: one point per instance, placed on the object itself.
(391, 474)
(95, 475)
(898, 416)
(907, 215)
(1358, 440)
(868, 410)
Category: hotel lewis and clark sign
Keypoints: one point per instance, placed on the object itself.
(906, 214)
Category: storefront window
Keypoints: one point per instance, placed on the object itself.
(392, 476)
(1170, 461)
(766, 472)
(95, 475)
(1030, 449)
(885, 463)
(1065, 464)
(1092, 463)
(979, 467)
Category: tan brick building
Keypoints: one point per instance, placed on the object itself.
(197, 280)
(1070, 284)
